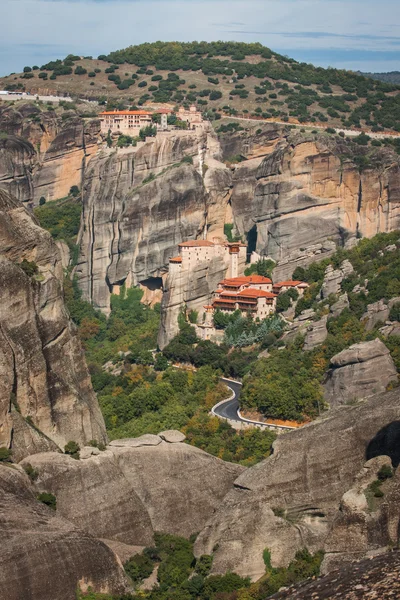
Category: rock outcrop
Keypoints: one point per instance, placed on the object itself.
(45, 557)
(360, 371)
(305, 478)
(131, 490)
(334, 277)
(42, 153)
(316, 334)
(46, 397)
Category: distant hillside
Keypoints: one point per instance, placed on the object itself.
(220, 77)
(391, 77)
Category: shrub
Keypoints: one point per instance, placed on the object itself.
(385, 472)
(31, 472)
(74, 191)
(72, 448)
(204, 564)
(48, 499)
(193, 316)
(394, 314)
(80, 70)
(42, 201)
(5, 454)
(29, 267)
(188, 160)
(139, 567)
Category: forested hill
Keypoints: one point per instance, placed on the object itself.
(390, 77)
(221, 77)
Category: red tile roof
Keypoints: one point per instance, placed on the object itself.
(250, 279)
(224, 301)
(195, 244)
(289, 283)
(176, 259)
(142, 113)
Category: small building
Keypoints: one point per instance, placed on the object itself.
(127, 122)
(284, 286)
(192, 116)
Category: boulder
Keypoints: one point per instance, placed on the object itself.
(378, 312)
(360, 371)
(172, 436)
(390, 329)
(147, 439)
(316, 334)
(338, 307)
(334, 277)
(44, 556)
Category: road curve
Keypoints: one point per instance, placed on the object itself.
(228, 409)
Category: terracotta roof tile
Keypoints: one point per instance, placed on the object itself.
(195, 244)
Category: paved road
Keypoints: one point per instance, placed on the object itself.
(229, 409)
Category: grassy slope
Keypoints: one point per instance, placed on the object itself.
(252, 64)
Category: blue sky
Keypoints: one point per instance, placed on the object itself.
(351, 34)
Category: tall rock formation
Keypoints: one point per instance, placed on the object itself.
(46, 396)
(140, 203)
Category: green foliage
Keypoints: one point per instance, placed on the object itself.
(42, 200)
(29, 267)
(394, 314)
(74, 191)
(72, 448)
(80, 70)
(193, 316)
(203, 565)
(228, 229)
(62, 219)
(32, 473)
(385, 472)
(263, 267)
(139, 567)
(5, 454)
(304, 566)
(48, 499)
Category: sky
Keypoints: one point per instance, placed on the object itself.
(351, 34)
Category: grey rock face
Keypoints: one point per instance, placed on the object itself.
(172, 436)
(360, 371)
(378, 312)
(306, 476)
(44, 371)
(334, 277)
(356, 529)
(128, 492)
(144, 440)
(338, 307)
(316, 334)
(130, 228)
(43, 555)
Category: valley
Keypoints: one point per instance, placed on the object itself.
(151, 253)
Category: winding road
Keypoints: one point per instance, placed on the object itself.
(229, 409)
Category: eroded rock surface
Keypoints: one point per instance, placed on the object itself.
(128, 492)
(360, 371)
(46, 395)
(305, 478)
(45, 557)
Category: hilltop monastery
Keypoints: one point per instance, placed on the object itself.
(130, 122)
(253, 294)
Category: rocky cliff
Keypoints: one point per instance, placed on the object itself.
(309, 195)
(43, 152)
(290, 500)
(141, 202)
(46, 395)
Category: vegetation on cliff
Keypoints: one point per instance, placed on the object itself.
(288, 384)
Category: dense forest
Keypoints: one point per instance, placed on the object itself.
(222, 78)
